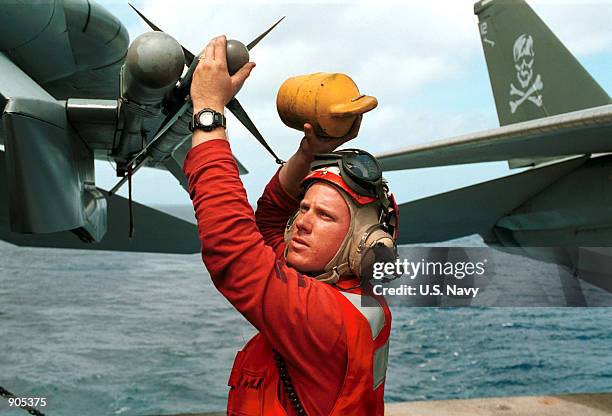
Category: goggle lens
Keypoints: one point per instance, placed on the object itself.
(362, 167)
(359, 170)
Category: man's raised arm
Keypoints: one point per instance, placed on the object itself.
(296, 314)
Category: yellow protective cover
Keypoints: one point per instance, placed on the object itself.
(330, 102)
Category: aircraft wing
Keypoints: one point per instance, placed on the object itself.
(576, 133)
(155, 231)
(476, 208)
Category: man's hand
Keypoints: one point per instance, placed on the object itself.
(298, 166)
(212, 85)
(312, 144)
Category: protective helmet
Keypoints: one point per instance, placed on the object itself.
(372, 233)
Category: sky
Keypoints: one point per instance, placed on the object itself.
(422, 60)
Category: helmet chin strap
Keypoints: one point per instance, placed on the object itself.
(331, 277)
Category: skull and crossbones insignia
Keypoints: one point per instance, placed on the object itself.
(524, 57)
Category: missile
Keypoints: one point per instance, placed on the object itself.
(163, 146)
(174, 130)
(153, 65)
(152, 68)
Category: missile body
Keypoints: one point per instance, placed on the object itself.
(152, 67)
(237, 55)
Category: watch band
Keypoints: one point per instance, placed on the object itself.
(218, 120)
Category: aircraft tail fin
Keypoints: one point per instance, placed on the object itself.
(532, 73)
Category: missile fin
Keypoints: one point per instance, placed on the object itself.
(263, 35)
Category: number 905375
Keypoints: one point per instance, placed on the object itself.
(27, 401)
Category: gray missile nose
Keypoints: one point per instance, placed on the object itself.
(155, 59)
(237, 55)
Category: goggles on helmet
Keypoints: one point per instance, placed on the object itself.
(358, 173)
(359, 170)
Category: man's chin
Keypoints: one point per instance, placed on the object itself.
(297, 262)
(291, 262)
(304, 264)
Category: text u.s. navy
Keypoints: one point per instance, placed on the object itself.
(426, 290)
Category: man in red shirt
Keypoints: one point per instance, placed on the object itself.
(318, 350)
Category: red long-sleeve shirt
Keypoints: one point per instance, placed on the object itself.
(298, 315)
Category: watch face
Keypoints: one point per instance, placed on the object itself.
(206, 118)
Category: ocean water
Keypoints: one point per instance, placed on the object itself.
(105, 333)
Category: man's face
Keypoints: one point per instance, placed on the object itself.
(319, 228)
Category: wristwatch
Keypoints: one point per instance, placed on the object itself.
(207, 119)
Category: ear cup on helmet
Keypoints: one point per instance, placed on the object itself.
(372, 245)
